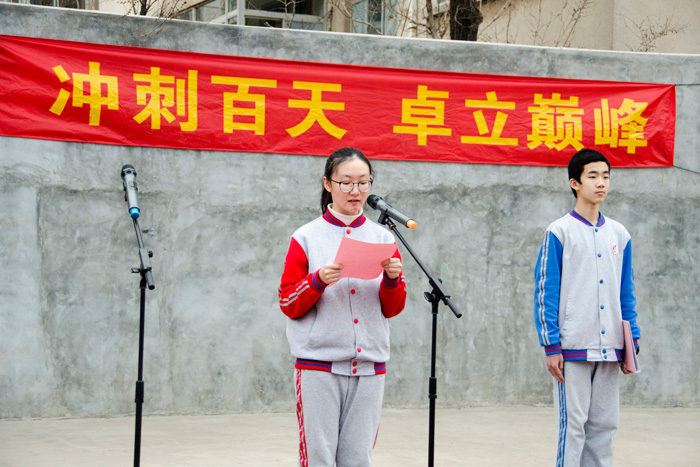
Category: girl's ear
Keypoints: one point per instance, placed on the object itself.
(327, 184)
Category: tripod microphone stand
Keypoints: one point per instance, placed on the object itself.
(435, 296)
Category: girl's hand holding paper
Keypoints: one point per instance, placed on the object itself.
(363, 260)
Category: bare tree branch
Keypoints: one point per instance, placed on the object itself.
(649, 33)
(498, 15)
(578, 12)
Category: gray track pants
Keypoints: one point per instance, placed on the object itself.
(338, 418)
(587, 404)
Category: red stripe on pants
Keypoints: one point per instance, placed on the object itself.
(303, 456)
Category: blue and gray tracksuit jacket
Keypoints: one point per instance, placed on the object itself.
(584, 288)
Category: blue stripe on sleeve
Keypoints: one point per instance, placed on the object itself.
(547, 283)
(628, 301)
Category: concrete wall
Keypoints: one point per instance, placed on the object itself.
(219, 225)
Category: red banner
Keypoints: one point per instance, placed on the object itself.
(91, 93)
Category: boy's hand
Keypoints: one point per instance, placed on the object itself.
(555, 365)
(625, 370)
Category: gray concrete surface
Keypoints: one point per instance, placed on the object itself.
(219, 225)
(483, 437)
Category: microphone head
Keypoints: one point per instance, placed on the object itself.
(128, 168)
(372, 201)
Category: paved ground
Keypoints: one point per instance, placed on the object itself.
(481, 437)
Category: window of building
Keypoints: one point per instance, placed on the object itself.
(374, 17)
(80, 4)
(293, 14)
(209, 11)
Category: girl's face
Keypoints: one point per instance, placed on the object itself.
(352, 170)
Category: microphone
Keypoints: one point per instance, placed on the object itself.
(379, 204)
(130, 189)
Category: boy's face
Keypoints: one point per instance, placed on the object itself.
(595, 181)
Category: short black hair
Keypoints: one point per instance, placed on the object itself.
(579, 160)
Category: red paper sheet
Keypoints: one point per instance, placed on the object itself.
(630, 353)
(362, 260)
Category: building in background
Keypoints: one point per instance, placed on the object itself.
(621, 25)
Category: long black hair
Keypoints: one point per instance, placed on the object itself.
(332, 163)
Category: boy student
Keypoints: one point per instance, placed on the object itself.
(584, 288)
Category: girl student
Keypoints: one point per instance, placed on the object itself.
(338, 329)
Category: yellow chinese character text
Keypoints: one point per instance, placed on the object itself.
(186, 100)
(155, 97)
(316, 108)
(94, 99)
(243, 95)
(427, 115)
(556, 122)
(164, 92)
(623, 126)
(495, 138)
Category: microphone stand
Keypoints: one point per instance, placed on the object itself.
(437, 294)
(146, 279)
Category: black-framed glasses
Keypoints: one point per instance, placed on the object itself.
(346, 187)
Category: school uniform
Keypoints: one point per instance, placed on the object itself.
(584, 289)
(339, 335)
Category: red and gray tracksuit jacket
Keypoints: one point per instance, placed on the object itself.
(342, 328)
